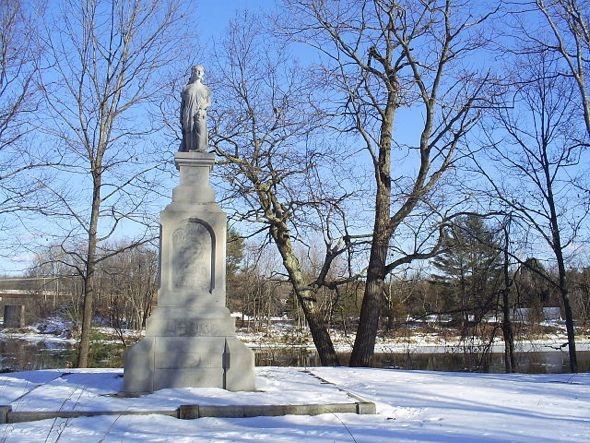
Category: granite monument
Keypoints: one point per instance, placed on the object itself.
(190, 337)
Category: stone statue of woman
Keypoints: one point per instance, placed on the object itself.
(195, 99)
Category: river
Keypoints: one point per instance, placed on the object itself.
(23, 355)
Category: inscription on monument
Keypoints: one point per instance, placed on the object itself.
(197, 327)
(193, 257)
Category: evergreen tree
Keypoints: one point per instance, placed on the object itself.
(469, 269)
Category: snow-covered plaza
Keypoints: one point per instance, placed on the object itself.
(412, 406)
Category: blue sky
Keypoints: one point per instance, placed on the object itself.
(214, 15)
(211, 21)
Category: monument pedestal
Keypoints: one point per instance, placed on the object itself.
(190, 337)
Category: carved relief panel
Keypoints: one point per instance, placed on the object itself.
(193, 259)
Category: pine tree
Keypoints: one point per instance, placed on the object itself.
(469, 269)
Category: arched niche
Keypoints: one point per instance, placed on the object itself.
(193, 256)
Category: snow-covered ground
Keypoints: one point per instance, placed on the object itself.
(417, 339)
(412, 406)
(279, 335)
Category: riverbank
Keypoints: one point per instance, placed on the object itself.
(420, 340)
(279, 337)
(431, 347)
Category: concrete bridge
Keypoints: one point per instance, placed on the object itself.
(17, 293)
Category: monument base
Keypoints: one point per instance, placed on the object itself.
(195, 361)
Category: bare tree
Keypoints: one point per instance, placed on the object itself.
(17, 71)
(540, 165)
(128, 283)
(109, 61)
(562, 28)
(20, 153)
(276, 176)
(380, 57)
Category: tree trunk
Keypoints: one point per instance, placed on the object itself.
(563, 285)
(84, 345)
(89, 278)
(569, 325)
(364, 343)
(563, 289)
(321, 337)
(306, 297)
(507, 332)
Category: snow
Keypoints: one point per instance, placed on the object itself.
(282, 334)
(418, 343)
(412, 406)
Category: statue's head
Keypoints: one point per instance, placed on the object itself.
(197, 72)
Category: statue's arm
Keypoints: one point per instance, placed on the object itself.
(207, 98)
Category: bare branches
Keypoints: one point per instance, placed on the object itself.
(21, 156)
(279, 174)
(17, 72)
(108, 62)
(538, 144)
(559, 28)
(381, 57)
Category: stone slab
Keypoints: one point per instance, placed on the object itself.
(166, 362)
(192, 412)
(92, 392)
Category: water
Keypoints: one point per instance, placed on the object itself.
(554, 362)
(22, 355)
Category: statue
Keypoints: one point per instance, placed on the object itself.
(193, 112)
(190, 338)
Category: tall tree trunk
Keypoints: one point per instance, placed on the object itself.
(87, 311)
(306, 297)
(364, 343)
(507, 332)
(569, 325)
(564, 293)
(89, 278)
(563, 286)
(321, 337)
